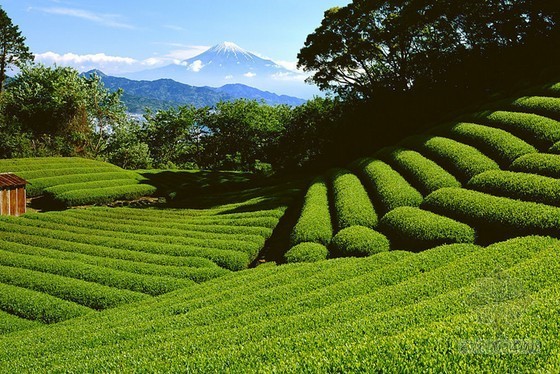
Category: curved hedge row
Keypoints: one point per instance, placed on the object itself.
(462, 160)
(352, 205)
(423, 173)
(522, 186)
(543, 105)
(539, 131)
(538, 163)
(306, 252)
(10, 323)
(555, 148)
(105, 195)
(38, 306)
(499, 144)
(359, 241)
(416, 229)
(62, 188)
(314, 223)
(36, 186)
(496, 215)
(68, 171)
(388, 188)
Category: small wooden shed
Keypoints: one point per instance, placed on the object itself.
(12, 195)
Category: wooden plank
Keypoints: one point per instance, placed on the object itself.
(22, 201)
(13, 201)
(5, 202)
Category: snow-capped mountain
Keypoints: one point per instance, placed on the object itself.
(227, 63)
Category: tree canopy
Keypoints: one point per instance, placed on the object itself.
(13, 50)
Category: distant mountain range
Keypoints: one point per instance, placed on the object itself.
(166, 93)
(227, 63)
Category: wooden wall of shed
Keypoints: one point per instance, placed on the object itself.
(12, 201)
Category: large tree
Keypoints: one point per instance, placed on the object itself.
(13, 50)
(373, 45)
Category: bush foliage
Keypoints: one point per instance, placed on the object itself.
(359, 241)
(306, 252)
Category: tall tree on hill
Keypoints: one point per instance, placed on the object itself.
(13, 50)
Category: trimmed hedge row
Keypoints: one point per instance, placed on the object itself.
(10, 323)
(36, 247)
(416, 229)
(495, 215)
(92, 295)
(522, 186)
(555, 148)
(352, 205)
(38, 306)
(67, 171)
(421, 172)
(538, 163)
(462, 160)
(543, 105)
(105, 195)
(306, 252)
(62, 188)
(232, 260)
(359, 241)
(499, 144)
(388, 188)
(314, 223)
(539, 131)
(148, 284)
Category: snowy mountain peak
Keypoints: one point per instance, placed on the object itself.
(227, 47)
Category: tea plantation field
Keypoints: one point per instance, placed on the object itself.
(440, 254)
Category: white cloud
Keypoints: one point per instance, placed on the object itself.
(249, 75)
(110, 20)
(289, 76)
(228, 77)
(290, 65)
(196, 66)
(73, 59)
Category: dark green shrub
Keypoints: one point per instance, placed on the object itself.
(545, 106)
(359, 241)
(536, 130)
(421, 172)
(555, 148)
(461, 160)
(496, 217)
(352, 205)
(314, 223)
(415, 229)
(388, 188)
(522, 186)
(499, 144)
(105, 195)
(307, 252)
(538, 163)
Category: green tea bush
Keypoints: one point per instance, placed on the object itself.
(536, 130)
(92, 295)
(62, 188)
(495, 215)
(352, 205)
(11, 323)
(314, 223)
(538, 163)
(545, 106)
(522, 186)
(359, 241)
(388, 188)
(555, 148)
(462, 160)
(36, 186)
(105, 195)
(67, 171)
(38, 306)
(415, 229)
(499, 144)
(306, 252)
(421, 172)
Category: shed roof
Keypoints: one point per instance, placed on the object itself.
(11, 180)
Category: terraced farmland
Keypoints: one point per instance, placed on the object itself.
(72, 181)
(441, 254)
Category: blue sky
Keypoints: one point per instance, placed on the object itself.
(121, 36)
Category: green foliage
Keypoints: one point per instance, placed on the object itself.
(306, 252)
(314, 223)
(544, 106)
(13, 50)
(421, 172)
(495, 215)
(388, 188)
(522, 186)
(462, 160)
(415, 229)
(555, 148)
(359, 241)
(105, 195)
(538, 163)
(352, 205)
(10, 323)
(537, 130)
(500, 145)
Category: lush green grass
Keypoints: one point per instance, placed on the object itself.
(522, 186)
(75, 181)
(415, 229)
(401, 313)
